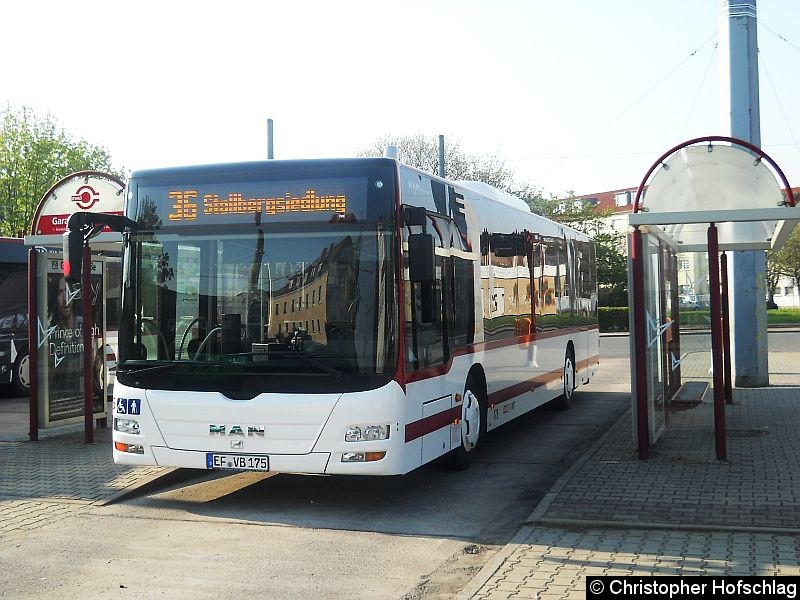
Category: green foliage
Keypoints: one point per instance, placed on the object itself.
(784, 262)
(34, 154)
(612, 269)
(612, 264)
(783, 316)
(616, 318)
(696, 319)
(613, 318)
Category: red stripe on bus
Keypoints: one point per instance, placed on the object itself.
(528, 385)
(430, 424)
(443, 369)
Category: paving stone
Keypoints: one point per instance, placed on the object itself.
(78, 475)
(682, 484)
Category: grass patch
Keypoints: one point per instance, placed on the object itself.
(616, 319)
(782, 316)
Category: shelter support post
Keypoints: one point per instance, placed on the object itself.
(674, 332)
(640, 343)
(33, 346)
(88, 350)
(716, 342)
(726, 329)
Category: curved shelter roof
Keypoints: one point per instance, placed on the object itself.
(719, 180)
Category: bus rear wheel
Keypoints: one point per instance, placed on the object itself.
(473, 423)
(564, 400)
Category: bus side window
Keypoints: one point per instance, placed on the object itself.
(461, 324)
(549, 281)
(426, 314)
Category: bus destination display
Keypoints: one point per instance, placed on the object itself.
(245, 202)
(185, 204)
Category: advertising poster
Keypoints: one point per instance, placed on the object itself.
(60, 340)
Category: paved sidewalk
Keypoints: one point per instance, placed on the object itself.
(58, 475)
(681, 512)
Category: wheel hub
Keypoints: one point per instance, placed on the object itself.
(470, 420)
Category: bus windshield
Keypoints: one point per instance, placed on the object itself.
(248, 309)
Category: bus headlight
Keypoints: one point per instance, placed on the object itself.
(366, 433)
(127, 426)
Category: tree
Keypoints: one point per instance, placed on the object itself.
(423, 153)
(34, 154)
(612, 262)
(784, 262)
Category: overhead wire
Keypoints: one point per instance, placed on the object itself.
(699, 89)
(763, 62)
(634, 103)
(778, 35)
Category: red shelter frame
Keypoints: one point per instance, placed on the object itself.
(652, 219)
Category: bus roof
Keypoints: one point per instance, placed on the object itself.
(257, 169)
(495, 194)
(13, 250)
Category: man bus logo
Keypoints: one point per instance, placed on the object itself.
(252, 430)
(86, 197)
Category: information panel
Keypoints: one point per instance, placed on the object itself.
(60, 343)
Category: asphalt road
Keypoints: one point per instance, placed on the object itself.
(422, 535)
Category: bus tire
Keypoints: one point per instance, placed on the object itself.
(473, 423)
(20, 377)
(568, 376)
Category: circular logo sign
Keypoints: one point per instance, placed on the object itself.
(85, 197)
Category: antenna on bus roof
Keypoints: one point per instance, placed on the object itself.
(270, 153)
(390, 152)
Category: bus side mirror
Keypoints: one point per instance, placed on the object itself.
(420, 257)
(73, 255)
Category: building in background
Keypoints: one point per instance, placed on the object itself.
(692, 266)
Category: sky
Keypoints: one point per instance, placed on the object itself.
(573, 95)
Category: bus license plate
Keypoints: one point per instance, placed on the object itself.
(237, 462)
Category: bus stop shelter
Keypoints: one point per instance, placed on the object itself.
(713, 194)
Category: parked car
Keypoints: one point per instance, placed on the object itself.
(689, 303)
(14, 333)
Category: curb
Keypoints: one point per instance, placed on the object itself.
(579, 524)
(536, 517)
(491, 567)
(538, 513)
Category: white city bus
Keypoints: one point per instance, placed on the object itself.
(339, 316)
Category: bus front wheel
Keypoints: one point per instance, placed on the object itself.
(473, 423)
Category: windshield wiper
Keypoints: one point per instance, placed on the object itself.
(164, 366)
(305, 356)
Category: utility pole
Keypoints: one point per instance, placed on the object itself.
(740, 113)
(441, 156)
